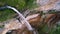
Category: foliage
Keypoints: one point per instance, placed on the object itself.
(21, 5)
(18, 4)
(6, 14)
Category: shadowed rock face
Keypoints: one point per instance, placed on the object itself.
(19, 31)
(36, 22)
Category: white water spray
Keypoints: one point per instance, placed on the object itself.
(22, 17)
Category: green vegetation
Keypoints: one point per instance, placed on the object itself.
(21, 5)
(6, 14)
(18, 4)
